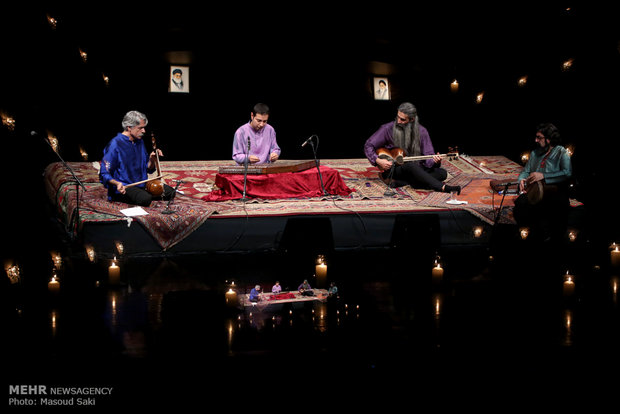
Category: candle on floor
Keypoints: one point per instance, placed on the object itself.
(231, 297)
(454, 86)
(572, 235)
(53, 285)
(615, 257)
(114, 273)
(569, 284)
(320, 270)
(437, 272)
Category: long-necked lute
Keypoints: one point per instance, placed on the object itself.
(155, 186)
(398, 155)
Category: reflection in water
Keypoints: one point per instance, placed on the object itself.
(174, 310)
(568, 328)
(174, 303)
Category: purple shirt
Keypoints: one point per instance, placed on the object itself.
(262, 143)
(383, 139)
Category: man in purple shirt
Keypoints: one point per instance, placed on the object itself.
(406, 133)
(259, 136)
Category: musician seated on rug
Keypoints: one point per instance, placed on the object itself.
(543, 203)
(261, 136)
(125, 161)
(406, 133)
(333, 290)
(305, 289)
(276, 288)
(255, 294)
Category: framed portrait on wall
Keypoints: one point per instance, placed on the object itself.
(381, 88)
(179, 79)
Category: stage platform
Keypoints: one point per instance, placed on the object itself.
(365, 218)
(274, 302)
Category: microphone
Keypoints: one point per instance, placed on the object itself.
(307, 141)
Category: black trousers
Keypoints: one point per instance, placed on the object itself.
(141, 197)
(416, 175)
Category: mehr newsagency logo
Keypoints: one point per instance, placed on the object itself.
(43, 395)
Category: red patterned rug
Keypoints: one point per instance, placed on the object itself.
(367, 195)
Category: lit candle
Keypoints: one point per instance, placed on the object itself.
(477, 232)
(615, 257)
(114, 273)
(53, 285)
(320, 270)
(572, 235)
(14, 274)
(437, 272)
(524, 232)
(231, 297)
(454, 86)
(57, 259)
(90, 253)
(525, 157)
(119, 247)
(569, 284)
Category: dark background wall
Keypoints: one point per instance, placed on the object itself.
(313, 64)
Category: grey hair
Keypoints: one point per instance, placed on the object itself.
(408, 109)
(133, 118)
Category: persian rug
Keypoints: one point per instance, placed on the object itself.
(198, 180)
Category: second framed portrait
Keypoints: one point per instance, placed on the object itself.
(381, 88)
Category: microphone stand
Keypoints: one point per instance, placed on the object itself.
(245, 172)
(78, 184)
(174, 193)
(316, 162)
(389, 192)
(499, 212)
(499, 209)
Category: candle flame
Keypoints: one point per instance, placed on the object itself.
(52, 21)
(567, 64)
(13, 273)
(8, 121)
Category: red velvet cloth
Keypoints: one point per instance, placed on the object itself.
(300, 184)
(281, 296)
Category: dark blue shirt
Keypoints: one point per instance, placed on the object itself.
(254, 294)
(125, 161)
